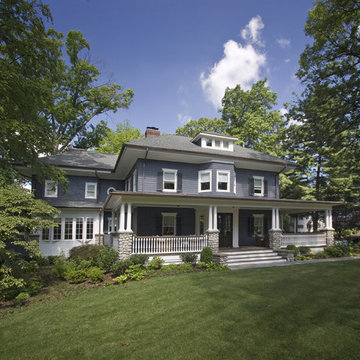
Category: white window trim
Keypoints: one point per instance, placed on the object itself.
(217, 180)
(173, 215)
(262, 185)
(86, 190)
(259, 216)
(48, 186)
(175, 181)
(221, 147)
(199, 180)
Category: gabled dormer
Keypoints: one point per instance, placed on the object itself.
(212, 140)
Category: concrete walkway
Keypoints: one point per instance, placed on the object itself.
(291, 263)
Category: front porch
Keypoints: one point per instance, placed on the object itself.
(155, 224)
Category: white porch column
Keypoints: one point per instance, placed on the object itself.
(210, 220)
(113, 221)
(122, 218)
(328, 219)
(128, 218)
(275, 220)
(215, 227)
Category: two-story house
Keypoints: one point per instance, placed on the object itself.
(171, 194)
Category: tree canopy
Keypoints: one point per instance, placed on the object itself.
(113, 140)
(251, 118)
(48, 97)
(193, 127)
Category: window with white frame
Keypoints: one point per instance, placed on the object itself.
(169, 180)
(258, 186)
(57, 230)
(90, 190)
(223, 180)
(89, 228)
(258, 224)
(168, 223)
(79, 228)
(51, 188)
(217, 143)
(204, 180)
(70, 228)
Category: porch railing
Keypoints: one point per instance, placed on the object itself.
(303, 239)
(168, 244)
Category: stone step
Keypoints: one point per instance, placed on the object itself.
(248, 259)
(230, 253)
(244, 256)
(251, 264)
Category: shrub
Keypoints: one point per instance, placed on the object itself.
(302, 258)
(320, 255)
(21, 299)
(188, 258)
(107, 258)
(86, 252)
(156, 263)
(121, 279)
(169, 268)
(135, 272)
(84, 264)
(120, 267)
(62, 266)
(51, 259)
(338, 250)
(304, 250)
(206, 255)
(139, 259)
(95, 274)
(42, 261)
(76, 276)
(186, 267)
(293, 248)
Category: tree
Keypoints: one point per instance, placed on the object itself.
(20, 214)
(113, 141)
(47, 100)
(329, 69)
(250, 117)
(193, 127)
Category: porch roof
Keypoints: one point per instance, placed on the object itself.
(115, 199)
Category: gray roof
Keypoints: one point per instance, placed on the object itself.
(79, 158)
(183, 143)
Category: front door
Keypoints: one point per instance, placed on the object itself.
(224, 222)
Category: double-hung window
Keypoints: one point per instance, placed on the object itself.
(90, 190)
(204, 180)
(168, 223)
(51, 188)
(223, 180)
(258, 186)
(169, 180)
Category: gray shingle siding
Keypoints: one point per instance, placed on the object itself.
(189, 173)
(74, 196)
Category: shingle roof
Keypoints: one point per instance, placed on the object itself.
(182, 143)
(77, 158)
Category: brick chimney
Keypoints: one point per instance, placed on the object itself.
(152, 131)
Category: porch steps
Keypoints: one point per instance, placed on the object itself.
(252, 258)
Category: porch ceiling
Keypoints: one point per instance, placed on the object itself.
(115, 199)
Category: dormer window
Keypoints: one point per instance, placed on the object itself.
(215, 141)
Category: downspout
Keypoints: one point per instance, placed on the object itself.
(144, 168)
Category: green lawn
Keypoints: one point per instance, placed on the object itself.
(298, 312)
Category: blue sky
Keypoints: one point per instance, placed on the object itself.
(178, 55)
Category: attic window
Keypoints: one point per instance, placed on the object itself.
(217, 143)
(208, 142)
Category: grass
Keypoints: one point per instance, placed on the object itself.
(299, 312)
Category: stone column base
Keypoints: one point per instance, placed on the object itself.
(275, 239)
(329, 234)
(99, 239)
(213, 240)
(125, 240)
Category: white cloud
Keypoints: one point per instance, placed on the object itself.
(287, 61)
(252, 31)
(183, 119)
(284, 43)
(241, 64)
(283, 111)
